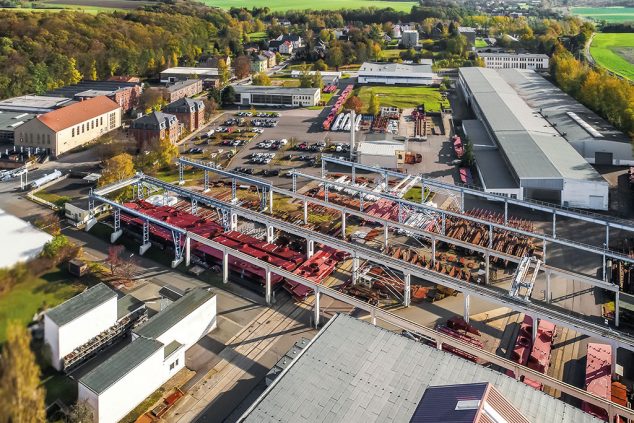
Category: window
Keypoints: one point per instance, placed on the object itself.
(112, 120)
(48, 139)
(73, 132)
(101, 120)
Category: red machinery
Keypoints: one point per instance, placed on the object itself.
(598, 377)
(462, 337)
(539, 360)
(458, 148)
(316, 269)
(523, 344)
(336, 108)
(465, 176)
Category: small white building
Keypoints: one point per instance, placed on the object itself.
(26, 240)
(514, 61)
(79, 319)
(156, 353)
(183, 73)
(256, 95)
(385, 154)
(397, 74)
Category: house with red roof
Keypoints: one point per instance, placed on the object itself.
(70, 127)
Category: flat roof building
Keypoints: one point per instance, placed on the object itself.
(514, 60)
(397, 74)
(591, 135)
(25, 240)
(276, 96)
(9, 121)
(125, 94)
(34, 103)
(543, 164)
(327, 77)
(353, 371)
(156, 353)
(181, 73)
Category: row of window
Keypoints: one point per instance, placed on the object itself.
(80, 129)
(174, 364)
(39, 139)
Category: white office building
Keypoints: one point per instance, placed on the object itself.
(397, 74)
(256, 95)
(409, 38)
(514, 61)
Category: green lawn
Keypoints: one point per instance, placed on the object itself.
(479, 42)
(615, 52)
(609, 14)
(35, 294)
(282, 5)
(285, 82)
(257, 36)
(403, 97)
(58, 200)
(392, 53)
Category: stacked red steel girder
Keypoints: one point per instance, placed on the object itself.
(316, 269)
(539, 360)
(598, 377)
(463, 333)
(336, 108)
(279, 256)
(523, 344)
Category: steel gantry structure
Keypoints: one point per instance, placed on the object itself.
(376, 313)
(494, 295)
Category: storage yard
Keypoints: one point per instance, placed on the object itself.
(349, 235)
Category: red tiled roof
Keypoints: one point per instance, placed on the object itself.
(77, 113)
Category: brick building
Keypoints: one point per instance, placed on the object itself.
(153, 127)
(189, 112)
(182, 89)
(125, 93)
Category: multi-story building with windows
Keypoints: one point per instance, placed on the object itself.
(514, 61)
(189, 112)
(276, 96)
(70, 127)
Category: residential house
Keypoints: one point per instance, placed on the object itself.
(209, 61)
(270, 56)
(294, 39)
(155, 126)
(259, 63)
(286, 48)
(189, 112)
(70, 127)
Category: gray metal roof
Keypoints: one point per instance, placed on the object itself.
(128, 304)
(81, 304)
(11, 120)
(174, 313)
(179, 85)
(171, 348)
(356, 372)
(120, 364)
(259, 89)
(33, 103)
(492, 170)
(394, 69)
(533, 148)
(539, 93)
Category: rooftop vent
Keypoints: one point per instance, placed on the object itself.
(468, 405)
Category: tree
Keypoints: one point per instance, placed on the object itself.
(320, 65)
(117, 168)
(305, 79)
(163, 152)
(223, 71)
(374, 106)
(354, 103)
(242, 66)
(335, 57)
(261, 79)
(21, 395)
(49, 223)
(80, 412)
(228, 95)
(211, 106)
(93, 70)
(152, 99)
(316, 81)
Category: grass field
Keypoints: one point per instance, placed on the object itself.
(392, 53)
(404, 97)
(615, 52)
(479, 42)
(257, 36)
(30, 296)
(281, 5)
(609, 14)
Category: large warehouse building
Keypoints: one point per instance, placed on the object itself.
(397, 74)
(353, 371)
(256, 95)
(541, 163)
(592, 136)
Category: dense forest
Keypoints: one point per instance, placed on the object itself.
(42, 51)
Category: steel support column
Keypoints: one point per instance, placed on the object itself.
(487, 268)
(373, 316)
(554, 223)
(194, 208)
(407, 289)
(343, 225)
(355, 270)
(506, 210)
(615, 351)
(467, 307)
(548, 288)
(267, 295)
(461, 200)
(305, 212)
(310, 248)
(225, 266)
(117, 226)
(535, 326)
(146, 238)
(187, 251)
(294, 182)
(233, 224)
(181, 179)
(617, 308)
(206, 181)
(316, 306)
(270, 233)
(386, 236)
(271, 201)
(233, 190)
(326, 193)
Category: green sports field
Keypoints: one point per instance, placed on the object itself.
(403, 97)
(609, 14)
(282, 5)
(615, 52)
